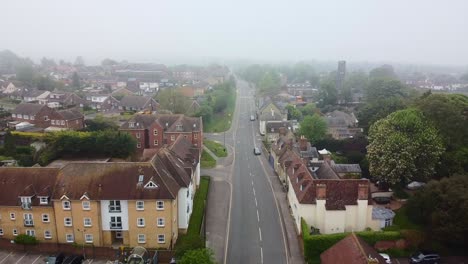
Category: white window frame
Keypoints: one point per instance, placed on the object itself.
(88, 207)
(89, 238)
(140, 222)
(87, 222)
(156, 142)
(1, 231)
(172, 137)
(12, 216)
(41, 200)
(161, 222)
(65, 221)
(137, 134)
(140, 205)
(141, 238)
(15, 232)
(47, 234)
(138, 145)
(155, 132)
(45, 218)
(68, 208)
(158, 207)
(30, 232)
(163, 239)
(69, 238)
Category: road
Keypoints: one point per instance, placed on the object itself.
(255, 229)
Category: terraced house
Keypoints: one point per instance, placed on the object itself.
(106, 204)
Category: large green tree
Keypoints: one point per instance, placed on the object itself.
(383, 72)
(385, 88)
(173, 100)
(293, 113)
(370, 112)
(313, 127)
(328, 94)
(442, 208)
(404, 146)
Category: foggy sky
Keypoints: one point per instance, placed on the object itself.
(407, 31)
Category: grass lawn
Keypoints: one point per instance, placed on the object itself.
(207, 161)
(193, 240)
(221, 122)
(215, 147)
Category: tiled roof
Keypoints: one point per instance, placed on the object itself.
(351, 250)
(169, 122)
(70, 114)
(345, 168)
(28, 109)
(15, 182)
(135, 101)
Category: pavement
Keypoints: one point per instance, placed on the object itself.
(248, 218)
(12, 257)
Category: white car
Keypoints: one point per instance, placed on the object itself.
(252, 118)
(386, 257)
(415, 185)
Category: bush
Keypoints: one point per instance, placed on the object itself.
(24, 239)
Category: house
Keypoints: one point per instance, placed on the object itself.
(269, 112)
(155, 131)
(64, 100)
(68, 119)
(342, 125)
(36, 114)
(33, 95)
(274, 129)
(138, 103)
(102, 102)
(353, 250)
(149, 87)
(10, 89)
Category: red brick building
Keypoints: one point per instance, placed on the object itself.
(155, 131)
(43, 116)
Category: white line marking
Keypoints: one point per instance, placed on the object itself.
(256, 205)
(90, 261)
(261, 255)
(36, 259)
(20, 259)
(258, 217)
(252, 183)
(260, 233)
(253, 191)
(5, 257)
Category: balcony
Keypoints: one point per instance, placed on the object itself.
(26, 206)
(115, 225)
(28, 223)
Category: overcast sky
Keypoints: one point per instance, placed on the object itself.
(408, 31)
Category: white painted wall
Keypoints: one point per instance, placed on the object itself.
(106, 215)
(262, 127)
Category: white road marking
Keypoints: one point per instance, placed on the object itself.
(252, 183)
(5, 257)
(261, 255)
(253, 191)
(260, 233)
(90, 261)
(20, 259)
(36, 259)
(256, 205)
(258, 217)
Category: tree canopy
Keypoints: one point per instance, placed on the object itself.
(198, 256)
(385, 88)
(328, 94)
(173, 100)
(383, 72)
(293, 113)
(313, 127)
(404, 146)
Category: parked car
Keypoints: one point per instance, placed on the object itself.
(257, 151)
(415, 185)
(425, 257)
(74, 259)
(55, 259)
(252, 118)
(382, 200)
(386, 257)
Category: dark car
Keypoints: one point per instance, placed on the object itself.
(73, 259)
(425, 257)
(55, 259)
(257, 151)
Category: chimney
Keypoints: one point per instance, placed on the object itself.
(321, 191)
(303, 143)
(363, 192)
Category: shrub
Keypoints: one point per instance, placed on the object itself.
(24, 239)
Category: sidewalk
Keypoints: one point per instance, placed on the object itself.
(291, 236)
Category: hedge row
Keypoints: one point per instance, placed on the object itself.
(314, 245)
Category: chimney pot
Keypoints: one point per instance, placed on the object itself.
(363, 192)
(321, 191)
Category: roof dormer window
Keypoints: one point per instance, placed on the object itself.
(151, 185)
(179, 127)
(43, 200)
(131, 124)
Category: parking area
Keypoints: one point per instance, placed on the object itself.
(12, 257)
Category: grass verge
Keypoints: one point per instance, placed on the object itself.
(215, 147)
(221, 122)
(207, 161)
(193, 240)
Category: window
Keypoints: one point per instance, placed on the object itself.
(47, 234)
(138, 145)
(32, 117)
(141, 238)
(12, 216)
(156, 142)
(388, 222)
(86, 205)
(131, 124)
(66, 205)
(114, 206)
(188, 193)
(150, 185)
(28, 220)
(160, 205)
(30, 232)
(88, 238)
(45, 218)
(195, 136)
(63, 122)
(172, 137)
(52, 122)
(67, 221)
(138, 135)
(116, 222)
(140, 205)
(1, 231)
(43, 200)
(46, 118)
(161, 239)
(15, 232)
(155, 132)
(69, 238)
(160, 222)
(13, 115)
(140, 222)
(179, 127)
(87, 221)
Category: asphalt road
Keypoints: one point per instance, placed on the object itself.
(255, 231)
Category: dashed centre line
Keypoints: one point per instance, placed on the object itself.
(258, 216)
(260, 233)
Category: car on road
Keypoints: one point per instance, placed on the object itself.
(426, 257)
(252, 118)
(74, 259)
(257, 151)
(55, 259)
(386, 257)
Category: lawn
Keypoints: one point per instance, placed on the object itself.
(193, 239)
(207, 161)
(215, 147)
(221, 122)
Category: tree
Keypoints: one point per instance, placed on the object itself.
(100, 123)
(24, 239)
(442, 208)
(293, 113)
(269, 83)
(356, 81)
(198, 256)
(403, 147)
(383, 72)
(373, 111)
(25, 73)
(76, 80)
(47, 63)
(313, 127)
(10, 146)
(108, 62)
(44, 83)
(385, 88)
(328, 94)
(173, 100)
(309, 109)
(206, 112)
